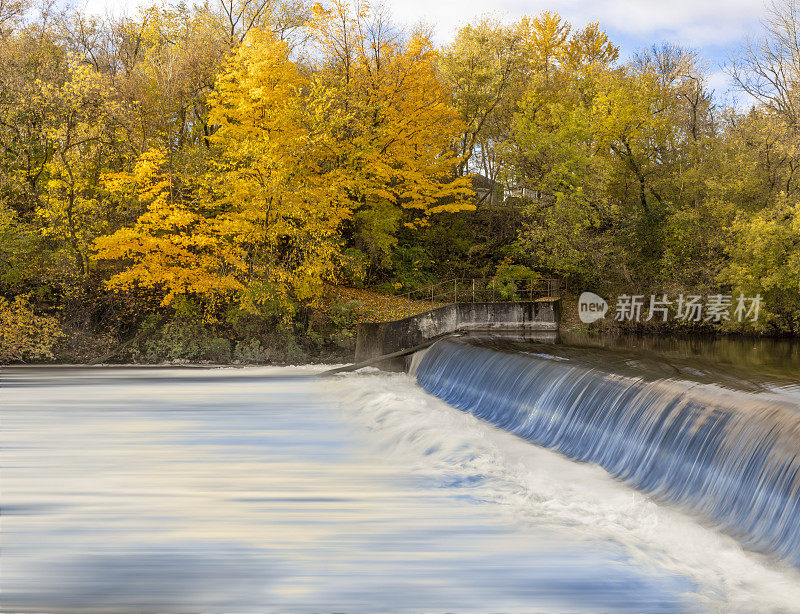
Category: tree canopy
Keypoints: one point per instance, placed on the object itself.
(239, 159)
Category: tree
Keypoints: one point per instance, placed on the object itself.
(558, 152)
(482, 69)
(767, 68)
(170, 249)
(388, 125)
(281, 18)
(626, 165)
(77, 132)
(765, 260)
(278, 211)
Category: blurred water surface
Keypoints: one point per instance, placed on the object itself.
(267, 490)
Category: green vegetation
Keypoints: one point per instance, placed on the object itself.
(246, 181)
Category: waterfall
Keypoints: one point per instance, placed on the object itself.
(729, 456)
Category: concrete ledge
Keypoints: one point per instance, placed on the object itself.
(380, 338)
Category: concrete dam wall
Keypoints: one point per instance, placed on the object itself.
(538, 317)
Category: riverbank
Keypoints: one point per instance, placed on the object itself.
(185, 334)
(325, 334)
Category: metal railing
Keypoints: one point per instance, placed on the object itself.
(484, 291)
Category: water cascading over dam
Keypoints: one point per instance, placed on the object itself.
(732, 457)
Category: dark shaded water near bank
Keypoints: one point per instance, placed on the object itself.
(268, 490)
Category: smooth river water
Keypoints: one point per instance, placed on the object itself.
(270, 490)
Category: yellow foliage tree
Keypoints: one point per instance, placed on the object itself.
(347, 153)
(280, 211)
(76, 133)
(169, 249)
(388, 121)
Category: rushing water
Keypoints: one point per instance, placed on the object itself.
(266, 490)
(731, 457)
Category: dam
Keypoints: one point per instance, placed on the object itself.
(528, 308)
(713, 446)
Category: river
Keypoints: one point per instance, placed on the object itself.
(136, 489)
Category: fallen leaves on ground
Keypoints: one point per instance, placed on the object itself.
(377, 307)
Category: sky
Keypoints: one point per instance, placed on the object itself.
(714, 28)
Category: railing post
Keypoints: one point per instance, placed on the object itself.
(455, 290)
(473, 289)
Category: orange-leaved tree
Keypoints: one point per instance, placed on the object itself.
(170, 249)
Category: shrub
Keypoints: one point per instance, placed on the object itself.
(510, 279)
(344, 315)
(218, 350)
(25, 335)
(177, 340)
(250, 352)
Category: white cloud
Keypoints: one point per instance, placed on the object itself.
(719, 81)
(689, 21)
(694, 23)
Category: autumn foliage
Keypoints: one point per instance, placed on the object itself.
(204, 177)
(24, 335)
(298, 155)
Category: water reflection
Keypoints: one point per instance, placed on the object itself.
(752, 361)
(751, 365)
(256, 490)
